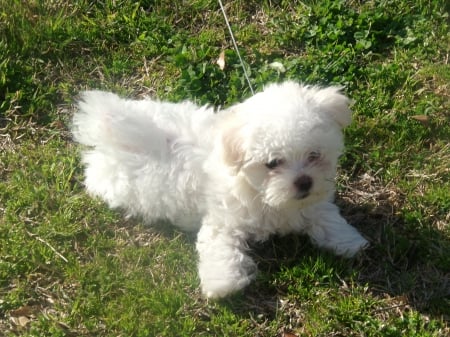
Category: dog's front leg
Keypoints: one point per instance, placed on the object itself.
(328, 229)
(224, 266)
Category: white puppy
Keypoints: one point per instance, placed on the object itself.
(263, 166)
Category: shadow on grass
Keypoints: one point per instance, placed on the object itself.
(406, 266)
(405, 260)
(407, 263)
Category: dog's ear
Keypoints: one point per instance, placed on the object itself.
(232, 142)
(336, 104)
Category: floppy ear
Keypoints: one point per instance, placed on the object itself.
(232, 142)
(336, 104)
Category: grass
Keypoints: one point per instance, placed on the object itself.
(71, 267)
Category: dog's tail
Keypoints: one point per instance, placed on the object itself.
(109, 123)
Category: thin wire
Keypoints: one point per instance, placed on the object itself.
(236, 47)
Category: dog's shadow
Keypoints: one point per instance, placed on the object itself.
(412, 264)
(407, 259)
(403, 260)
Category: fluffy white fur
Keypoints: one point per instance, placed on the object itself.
(263, 166)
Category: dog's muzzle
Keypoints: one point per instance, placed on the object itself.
(303, 184)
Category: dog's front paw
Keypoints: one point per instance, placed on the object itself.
(224, 267)
(344, 240)
(351, 245)
(221, 281)
(328, 229)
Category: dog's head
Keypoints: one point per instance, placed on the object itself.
(285, 142)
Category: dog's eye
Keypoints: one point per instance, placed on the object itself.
(274, 163)
(313, 156)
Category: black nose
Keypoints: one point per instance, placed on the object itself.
(303, 183)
